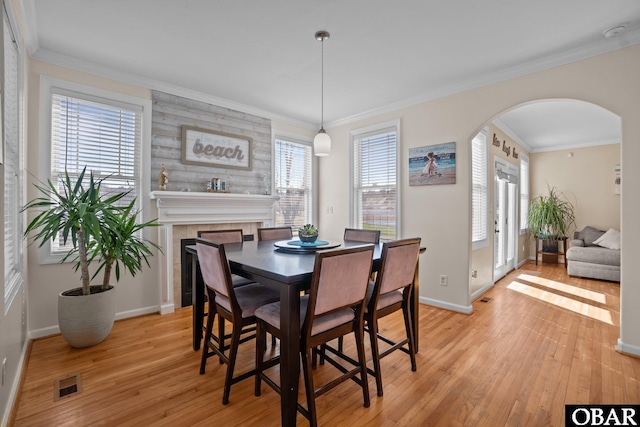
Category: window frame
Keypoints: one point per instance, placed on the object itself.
(13, 284)
(49, 86)
(297, 139)
(525, 195)
(360, 133)
(484, 241)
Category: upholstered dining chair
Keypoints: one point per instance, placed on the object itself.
(361, 235)
(275, 233)
(235, 304)
(334, 307)
(391, 292)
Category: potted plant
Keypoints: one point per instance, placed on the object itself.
(550, 218)
(100, 228)
(308, 233)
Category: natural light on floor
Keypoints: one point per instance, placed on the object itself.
(576, 306)
(567, 289)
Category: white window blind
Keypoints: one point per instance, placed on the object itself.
(479, 191)
(293, 183)
(102, 135)
(524, 192)
(375, 188)
(12, 136)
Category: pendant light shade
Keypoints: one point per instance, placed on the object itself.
(322, 141)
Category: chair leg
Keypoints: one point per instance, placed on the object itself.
(233, 352)
(409, 328)
(207, 340)
(221, 340)
(261, 348)
(310, 389)
(375, 352)
(363, 365)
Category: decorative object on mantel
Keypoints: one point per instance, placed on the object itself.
(212, 148)
(163, 179)
(432, 164)
(322, 141)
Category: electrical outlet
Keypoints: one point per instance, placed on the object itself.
(444, 280)
(474, 273)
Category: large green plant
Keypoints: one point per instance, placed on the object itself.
(551, 216)
(97, 225)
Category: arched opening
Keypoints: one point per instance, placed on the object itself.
(571, 145)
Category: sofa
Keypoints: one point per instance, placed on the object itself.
(595, 254)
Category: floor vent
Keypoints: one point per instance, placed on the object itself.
(485, 299)
(67, 386)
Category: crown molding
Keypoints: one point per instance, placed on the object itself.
(511, 134)
(152, 84)
(30, 25)
(575, 146)
(602, 46)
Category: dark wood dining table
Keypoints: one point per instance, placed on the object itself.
(289, 273)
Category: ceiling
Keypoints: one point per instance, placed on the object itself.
(261, 57)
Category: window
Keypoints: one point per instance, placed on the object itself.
(12, 137)
(524, 193)
(375, 192)
(99, 130)
(479, 190)
(293, 183)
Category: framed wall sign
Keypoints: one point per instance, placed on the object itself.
(212, 148)
(432, 164)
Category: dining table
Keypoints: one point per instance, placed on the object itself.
(289, 272)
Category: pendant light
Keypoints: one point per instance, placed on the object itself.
(322, 141)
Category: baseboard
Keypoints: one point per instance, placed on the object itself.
(52, 330)
(16, 386)
(167, 308)
(632, 350)
(447, 305)
(524, 261)
(481, 291)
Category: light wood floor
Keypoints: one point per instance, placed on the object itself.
(542, 340)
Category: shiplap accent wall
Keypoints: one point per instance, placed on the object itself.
(170, 112)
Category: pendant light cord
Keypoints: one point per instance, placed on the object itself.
(322, 87)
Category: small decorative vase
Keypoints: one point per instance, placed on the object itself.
(308, 239)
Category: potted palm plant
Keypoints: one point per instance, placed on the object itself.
(550, 218)
(99, 228)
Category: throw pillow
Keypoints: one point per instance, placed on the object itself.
(610, 239)
(590, 235)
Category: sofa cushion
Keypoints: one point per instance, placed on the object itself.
(589, 235)
(610, 239)
(594, 255)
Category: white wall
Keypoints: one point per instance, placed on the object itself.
(440, 215)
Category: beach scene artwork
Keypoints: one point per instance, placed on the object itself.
(432, 164)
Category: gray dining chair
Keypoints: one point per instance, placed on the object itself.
(274, 233)
(334, 307)
(234, 304)
(361, 235)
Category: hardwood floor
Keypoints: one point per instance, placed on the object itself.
(542, 340)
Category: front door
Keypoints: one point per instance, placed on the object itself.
(505, 218)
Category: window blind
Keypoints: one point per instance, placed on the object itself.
(524, 192)
(293, 183)
(12, 137)
(104, 137)
(375, 191)
(479, 191)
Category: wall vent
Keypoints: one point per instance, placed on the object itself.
(67, 386)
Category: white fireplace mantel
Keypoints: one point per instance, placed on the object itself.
(184, 207)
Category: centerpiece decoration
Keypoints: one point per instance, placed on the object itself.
(308, 233)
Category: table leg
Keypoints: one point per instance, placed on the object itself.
(197, 300)
(289, 353)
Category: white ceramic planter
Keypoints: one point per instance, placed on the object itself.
(86, 320)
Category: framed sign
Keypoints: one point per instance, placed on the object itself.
(213, 148)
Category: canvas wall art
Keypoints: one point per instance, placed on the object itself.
(432, 164)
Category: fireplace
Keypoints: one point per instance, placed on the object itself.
(182, 214)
